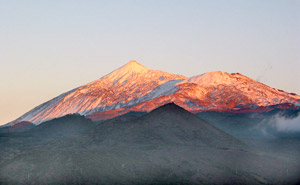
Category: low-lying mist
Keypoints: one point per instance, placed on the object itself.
(287, 124)
(269, 124)
(283, 123)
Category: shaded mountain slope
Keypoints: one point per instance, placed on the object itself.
(166, 146)
(169, 124)
(61, 127)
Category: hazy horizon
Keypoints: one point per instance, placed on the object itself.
(50, 47)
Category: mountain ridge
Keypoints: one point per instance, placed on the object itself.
(134, 87)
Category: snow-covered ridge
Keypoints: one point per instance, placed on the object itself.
(134, 87)
(217, 78)
(223, 91)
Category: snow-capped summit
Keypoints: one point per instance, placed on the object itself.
(134, 87)
(131, 67)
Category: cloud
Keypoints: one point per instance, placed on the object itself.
(284, 124)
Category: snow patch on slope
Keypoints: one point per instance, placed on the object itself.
(165, 89)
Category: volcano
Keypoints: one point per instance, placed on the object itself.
(134, 87)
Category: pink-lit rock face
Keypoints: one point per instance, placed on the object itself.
(134, 87)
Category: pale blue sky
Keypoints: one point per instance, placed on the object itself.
(49, 47)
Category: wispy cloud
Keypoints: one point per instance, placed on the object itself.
(284, 124)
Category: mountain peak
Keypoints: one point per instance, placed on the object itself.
(133, 66)
(171, 105)
(133, 62)
(171, 108)
(127, 70)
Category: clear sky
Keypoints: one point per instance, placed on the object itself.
(50, 47)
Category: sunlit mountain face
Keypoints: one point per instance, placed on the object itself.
(134, 87)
